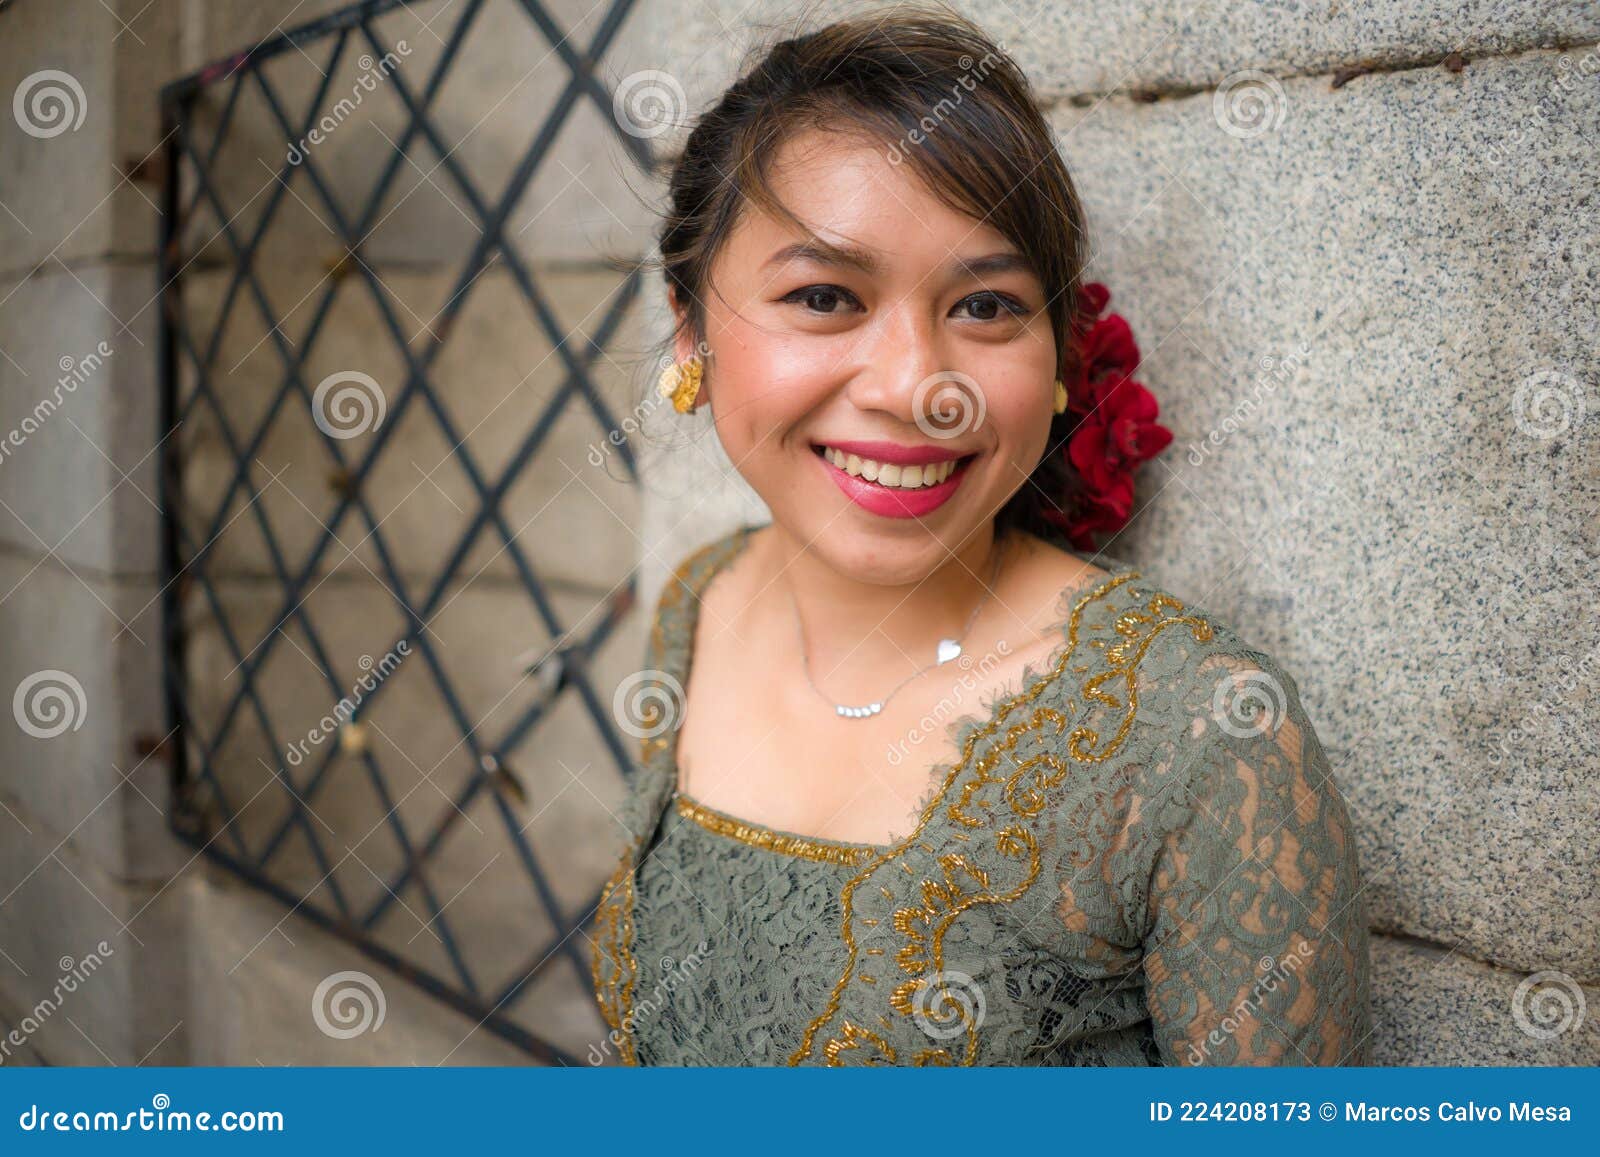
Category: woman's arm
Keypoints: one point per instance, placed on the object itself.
(1256, 950)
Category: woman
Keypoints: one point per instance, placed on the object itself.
(939, 788)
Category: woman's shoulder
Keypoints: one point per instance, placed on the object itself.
(1127, 614)
(1155, 674)
(1196, 731)
(695, 566)
(685, 585)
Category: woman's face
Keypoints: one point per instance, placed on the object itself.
(929, 357)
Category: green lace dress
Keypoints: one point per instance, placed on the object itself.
(1138, 857)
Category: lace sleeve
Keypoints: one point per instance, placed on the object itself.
(1256, 949)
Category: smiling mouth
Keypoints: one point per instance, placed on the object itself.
(891, 476)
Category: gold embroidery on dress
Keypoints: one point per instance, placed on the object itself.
(613, 942)
(852, 1037)
(614, 918)
(763, 837)
(1124, 658)
(964, 883)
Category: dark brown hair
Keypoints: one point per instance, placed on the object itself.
(930, 85)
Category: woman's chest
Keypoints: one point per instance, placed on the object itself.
(776, 752)
(862, 784)
(749, 956)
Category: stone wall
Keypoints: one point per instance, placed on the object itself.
(1357, 245)
(197, 966)
(1377, 313)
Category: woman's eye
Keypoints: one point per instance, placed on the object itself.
(993, 306)
(811, 295)
(823, 299)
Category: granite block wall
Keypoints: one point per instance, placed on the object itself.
(180, 961)
(1357, 246)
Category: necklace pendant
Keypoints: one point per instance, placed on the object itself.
(948, 649)
(866, 712)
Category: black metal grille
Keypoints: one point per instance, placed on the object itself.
(195, 384)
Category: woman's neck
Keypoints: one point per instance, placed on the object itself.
(856, 632)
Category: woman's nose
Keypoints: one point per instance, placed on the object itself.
(898, 372)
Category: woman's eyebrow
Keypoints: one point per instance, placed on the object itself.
(866, 261)
(826, 253)
(1007, 262)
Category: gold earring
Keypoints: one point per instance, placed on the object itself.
(681, 382)
(1061, 397)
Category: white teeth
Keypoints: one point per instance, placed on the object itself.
(888, 473)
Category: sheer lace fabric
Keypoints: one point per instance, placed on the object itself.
(1137, 856)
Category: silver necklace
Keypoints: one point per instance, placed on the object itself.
(948, 650)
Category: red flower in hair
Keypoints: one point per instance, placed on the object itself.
(1116, 428)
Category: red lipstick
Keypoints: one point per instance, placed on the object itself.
(893, 501)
